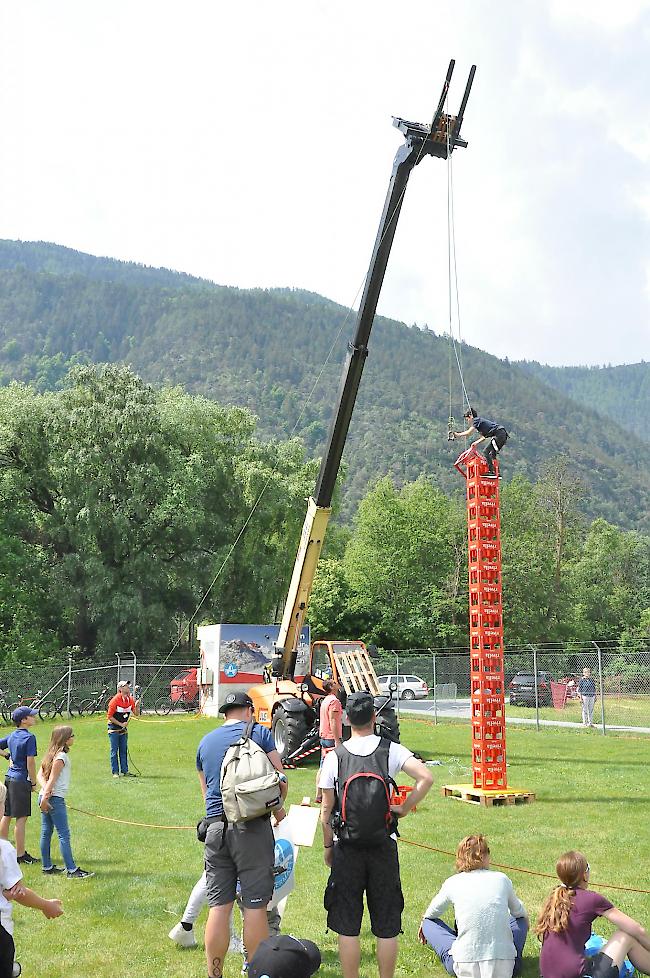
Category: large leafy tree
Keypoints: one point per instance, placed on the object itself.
(401, 575)
(137, 497)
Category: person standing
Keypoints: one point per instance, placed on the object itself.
(491, 923)
(20, 780)
(120, 710)
(495, 434)
(587, 694)
(330, 725)
(243, 851)
(368, 864)
(54, 778)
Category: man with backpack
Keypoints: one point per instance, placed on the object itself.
(242, 781)
(359, 835)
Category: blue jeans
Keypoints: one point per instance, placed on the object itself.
(440, 937)
(56, 818)
(118, 742)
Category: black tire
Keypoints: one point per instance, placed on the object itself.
(6, 714)
(47, 710)
(163, 706)
(75, 708)
(408, 694)
(388, 724)
(87, 707)
(289, 731)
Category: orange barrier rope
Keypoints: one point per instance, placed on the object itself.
(140, 825)
(529, 872)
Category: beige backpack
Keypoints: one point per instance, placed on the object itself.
(250, 785)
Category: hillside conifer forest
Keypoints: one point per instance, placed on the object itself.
(142, 412)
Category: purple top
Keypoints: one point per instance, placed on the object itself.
(563, 955)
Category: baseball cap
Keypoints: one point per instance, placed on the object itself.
(239, 698)
(284, 957)
(21, 712)
(359, 708)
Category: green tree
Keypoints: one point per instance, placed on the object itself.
(137, 497)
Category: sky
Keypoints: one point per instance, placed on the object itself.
(251, 143)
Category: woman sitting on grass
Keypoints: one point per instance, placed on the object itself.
(491, 922)
(564, 927)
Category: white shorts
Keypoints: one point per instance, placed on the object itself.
(499, 968)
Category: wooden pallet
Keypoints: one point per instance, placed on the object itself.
(489, 799)
(356, 672)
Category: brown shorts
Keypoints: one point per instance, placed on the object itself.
(19, 798)
(243, 852)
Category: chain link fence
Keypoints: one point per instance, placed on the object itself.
(69, 689)
(541, 684)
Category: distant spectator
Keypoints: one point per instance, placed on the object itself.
(491, 923)
(54, 777)
(564, 927)
(120, 710)
(587, 694)
(330, 725)
(21, 779)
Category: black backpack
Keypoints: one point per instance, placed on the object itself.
(362, 815)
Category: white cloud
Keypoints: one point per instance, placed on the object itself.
(602, 14)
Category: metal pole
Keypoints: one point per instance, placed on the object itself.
(536, 689)
(69, 682)
(135, 676)
(602, 693)
(397, 680)
(435, 694)
(119, 665)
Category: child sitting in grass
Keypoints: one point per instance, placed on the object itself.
(564, 927)
(12, 888)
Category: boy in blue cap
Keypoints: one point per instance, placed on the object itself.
(20, 780)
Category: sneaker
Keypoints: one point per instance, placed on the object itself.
(116, 775)
(184, 938)
(27, 858)
(16, 970)
(79, 874)
(127, 774)
(51, 870)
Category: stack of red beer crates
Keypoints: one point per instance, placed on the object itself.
(485, 625)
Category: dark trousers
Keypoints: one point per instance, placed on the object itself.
(440, 937)
(495, 444)
(119, 754)
(7, 952)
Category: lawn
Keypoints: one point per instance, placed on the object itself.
(620, 711)
(592, 794)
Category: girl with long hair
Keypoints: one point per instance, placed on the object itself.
(54, 779)
(564, 927)
(491, 922)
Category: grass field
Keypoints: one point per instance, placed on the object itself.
(620, 711)
(592, 794)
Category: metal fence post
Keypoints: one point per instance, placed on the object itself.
(69, 682)
(534, 648)
(135, 675)
(119, 666)
(435, 692)
(397, 680)
(602, 691)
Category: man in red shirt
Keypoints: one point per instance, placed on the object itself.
(120, 710)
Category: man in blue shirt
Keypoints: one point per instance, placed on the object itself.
(244, 851)
(495, 434)
(20, 780)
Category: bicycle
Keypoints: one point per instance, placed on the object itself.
(51, 707)
(32, 702)
(96, 702)
(166, 704)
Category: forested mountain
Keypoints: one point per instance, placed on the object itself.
(269, 349)
(620, 393)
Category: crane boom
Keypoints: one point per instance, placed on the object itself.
(439, 139)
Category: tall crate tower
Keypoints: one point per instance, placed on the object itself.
(487, 682)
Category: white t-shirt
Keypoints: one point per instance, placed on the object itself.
(483, 901)
(9, 875)
(62, 783)
(398, 755)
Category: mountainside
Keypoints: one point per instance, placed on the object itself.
(267, 350)
(620, 393)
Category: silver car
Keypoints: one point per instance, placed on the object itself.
(408, 687)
